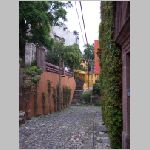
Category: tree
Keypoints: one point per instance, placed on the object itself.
(53, 54)
(89, 55)
(39, 15)
(88, 52)
(71, 55)
(75, 33)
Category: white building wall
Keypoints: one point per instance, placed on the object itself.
(69, 37)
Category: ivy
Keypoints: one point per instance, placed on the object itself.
(66, 95)
(110, 78)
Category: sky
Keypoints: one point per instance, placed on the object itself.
(91, 15)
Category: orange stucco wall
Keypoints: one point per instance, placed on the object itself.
(96, 58)
(43, 87)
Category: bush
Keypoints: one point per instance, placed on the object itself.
(33, 73)
(96, 88)
(66, 95)
(34, 63)
(33, 70)
(86, 96)
(111, 77)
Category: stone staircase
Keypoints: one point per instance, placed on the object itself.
(77, 97)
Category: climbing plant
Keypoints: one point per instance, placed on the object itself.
(43, 102)
(55, 99)
(49, 94)
(66, 95)
(110, 78)
(33, 73)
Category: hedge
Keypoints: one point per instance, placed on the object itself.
(110, 78)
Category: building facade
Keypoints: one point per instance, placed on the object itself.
(90, 79)
(96, 58)
(122, 38)
(64, 35)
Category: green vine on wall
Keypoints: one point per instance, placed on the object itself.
(55, 99)
(49, 94)
(31, 76)
(66, 95)
(43, 102)
(111, 77)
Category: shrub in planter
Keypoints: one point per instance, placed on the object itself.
(33, 74)
(33, 70)
(86, 96)
(66, 95)
(96, 88)
(98, 103)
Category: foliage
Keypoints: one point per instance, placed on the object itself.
(111, 77)
(35, 19)
(49, 86)
(54, 53)
(75, 32)
(82, 68)
(86, 96)
(71, 55)
(89, 55)
(98, 103)
(96, 88)
(88, 52)
(66, 95)
(43, 102)
(34, 63)
(32, 72)
(55, 99)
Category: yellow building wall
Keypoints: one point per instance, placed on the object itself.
(92, 78)
(84, 75)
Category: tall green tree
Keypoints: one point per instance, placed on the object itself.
(89, 51)
(71, 55)
(40, 15)
(55, 52)
(89, 55)
(111, 76)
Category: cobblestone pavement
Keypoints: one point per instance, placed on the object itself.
(77, 127)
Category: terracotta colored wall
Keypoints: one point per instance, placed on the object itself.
(96, 58)
(43, 87)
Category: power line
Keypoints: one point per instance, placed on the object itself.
(79, 23)
(86, 40)
(83, 22)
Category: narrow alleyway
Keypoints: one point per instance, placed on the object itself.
(77, 127)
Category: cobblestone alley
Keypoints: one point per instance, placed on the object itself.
(77, 127)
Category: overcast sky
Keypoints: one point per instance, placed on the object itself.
(91, 14)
